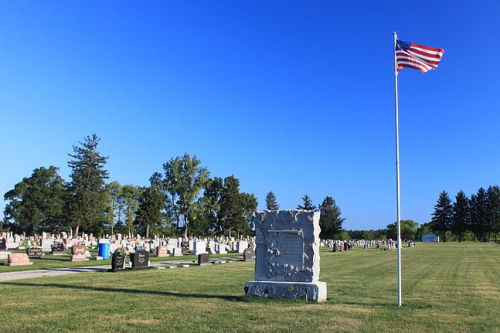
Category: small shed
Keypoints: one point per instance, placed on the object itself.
(430, 237)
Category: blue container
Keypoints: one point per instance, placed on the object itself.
(103, 250)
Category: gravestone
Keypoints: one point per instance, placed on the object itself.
(18, 259)
(118, 261)
(177, 251)
(199, 247)
(58, 249)
(139, 259)
(248, 255)
(241, 246)
(161, 251)
(78, 253)
(203, 259)
(287, 256)
(35, 252)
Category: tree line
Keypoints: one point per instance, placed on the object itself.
(183, 199)
(468, 218)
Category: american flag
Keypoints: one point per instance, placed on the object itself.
(417, 56)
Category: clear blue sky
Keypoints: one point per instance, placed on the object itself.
(290, 96)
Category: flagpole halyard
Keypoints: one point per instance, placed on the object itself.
(398, 209)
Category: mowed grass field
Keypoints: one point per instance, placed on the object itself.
(448, 287)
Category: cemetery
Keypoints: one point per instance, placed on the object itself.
(263, 276)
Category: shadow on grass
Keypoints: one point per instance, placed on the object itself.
(128, 291)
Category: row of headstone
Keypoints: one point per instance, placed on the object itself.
(138, 260)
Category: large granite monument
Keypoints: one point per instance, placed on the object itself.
(287, 256)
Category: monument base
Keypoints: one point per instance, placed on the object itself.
(309, 291)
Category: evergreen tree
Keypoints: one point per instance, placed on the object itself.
(493, 207)
(36, 203)
(443, 214)
(184, 179)
(460, 218)
(271, 202)
(151, 203)
(479, 214)
(331, 219)
(306, 203)
(87, 205)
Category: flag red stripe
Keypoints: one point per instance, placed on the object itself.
(435, 49)
(400, 67)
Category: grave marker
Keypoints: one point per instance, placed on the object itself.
(18, 259)
(287, 256)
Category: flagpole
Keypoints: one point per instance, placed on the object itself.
(398, 210)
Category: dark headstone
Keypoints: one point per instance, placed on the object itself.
(34, 252)
(185, 246)
(139, 259)
(58, 249)
(334, 247)
(203, 259)
(117, 262)
(248, 255)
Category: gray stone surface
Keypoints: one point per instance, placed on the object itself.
(287, 256)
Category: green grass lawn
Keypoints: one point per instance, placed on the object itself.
(446, 288)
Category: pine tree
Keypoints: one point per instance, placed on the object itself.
(87, 205)
(443, 214)
(306, 203)
(479, 214)
(271, 202)
(493, 207)
(331, 218)
(460, 217)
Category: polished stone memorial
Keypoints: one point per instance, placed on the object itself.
(287, 256)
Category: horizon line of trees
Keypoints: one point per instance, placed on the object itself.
(182, 200)
(468, 218)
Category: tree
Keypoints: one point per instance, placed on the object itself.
(211, 205)
(493, 208)
(460, 217)
(36, 203)
(184, 178)
(86, 202)
(306, 203)
(271, 202)
(236, 208)
(479, 214)
(115, 193)
(409, 229)
(130, 198)
(443, 214)
(150, 205)
(331, 218)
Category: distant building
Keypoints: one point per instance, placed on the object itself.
(430, 237)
